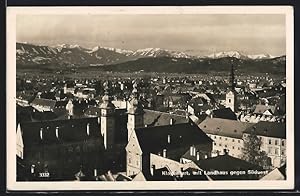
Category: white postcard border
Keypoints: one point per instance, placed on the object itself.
(182, 185)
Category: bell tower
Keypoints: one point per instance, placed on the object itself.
(135, 112)
(231, 94)
(107, 118)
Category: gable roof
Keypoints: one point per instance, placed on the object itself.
(224, 127)
(276, 174)
(260, 109)
(268, 129)
(225, 113)
(223, 163)
(156, 118)
(44, 102)
(182, 136)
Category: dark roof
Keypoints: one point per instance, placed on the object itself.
(225, 113)
(224, 127)
(162, 174)
(260, 109)
(269, 129)
(92, 111)
(227, 163)
(44, 102)
(194, 174)
(42, 116)
(182, 136)
(61, 103)
(224, 163)
(69, 130)
(156, 118)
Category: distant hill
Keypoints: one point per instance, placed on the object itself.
(205, 65)
(148, 60)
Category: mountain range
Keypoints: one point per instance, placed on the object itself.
(148, 59)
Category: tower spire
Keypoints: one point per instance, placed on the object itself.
(232, 79)
(107, 118)
(135, 112)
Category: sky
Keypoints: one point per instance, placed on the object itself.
(197, 34)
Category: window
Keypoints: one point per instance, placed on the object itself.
(282, 152)
(220, 137)
(270, 141)
(276, 142)
(215, 143)
(137, 163)
(282, 143)
(276, 151)
(215, 137)
(225, 146)
(269, 150)
(220, 144)
(238, 141)
(232, 147)
(238, 148)
(229, 100)
(232, 140)
(225, 139)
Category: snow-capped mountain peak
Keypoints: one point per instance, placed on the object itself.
(239, 55)
(261, 56)
(235, 54)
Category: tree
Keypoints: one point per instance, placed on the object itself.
(252, 152)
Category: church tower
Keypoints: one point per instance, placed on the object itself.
(231, 94)
(70, 109)
(107, 118)
(135, 112)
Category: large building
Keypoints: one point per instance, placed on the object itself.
(273, 137)
(164, 145)
(229, 135)
(226, 134)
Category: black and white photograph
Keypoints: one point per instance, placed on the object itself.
(150, 97)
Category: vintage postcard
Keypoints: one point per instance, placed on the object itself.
(150, 98)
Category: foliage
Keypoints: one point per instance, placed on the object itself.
(252, 151)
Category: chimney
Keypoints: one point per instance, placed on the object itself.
(164, 153)
(225, 151)
(95, 172)
(88, 128)
(197, 156)
(152, 169)
(57, 132)
(32, 169)
(181, 172)
(171, 121)
(146, 125)
(41, 133)
(169, 139)
(205, 156)
(194, 151)
(191, 150)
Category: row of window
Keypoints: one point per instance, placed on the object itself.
(276, 151)
(233, 147)
(225, 138)
(276, 142)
